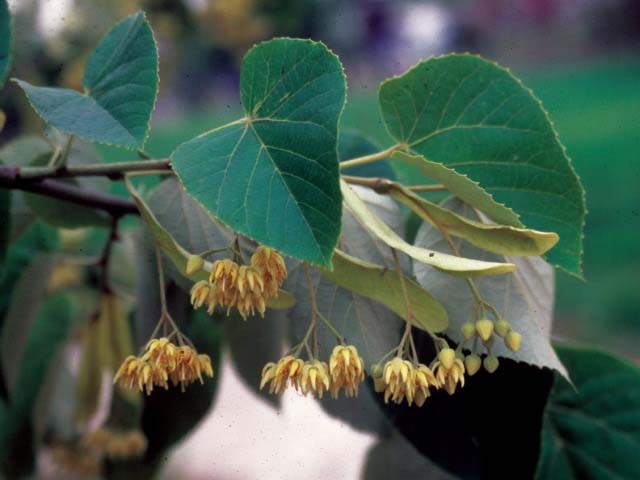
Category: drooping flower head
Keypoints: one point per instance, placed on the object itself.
(200, 293)
(347, 370)
(272, 268)
(251, 292)
(449, 377)
(224, 274)
(161, 362)
(397, 381)
(285, 373)
(423, 379)
(314, 378)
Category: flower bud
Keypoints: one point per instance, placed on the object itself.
(376, 370)
(513, 341)
(447, 356)
(484, 327)
(502, 327)
(194, 264)
(468, 330)
(472, 363)
(490, 363)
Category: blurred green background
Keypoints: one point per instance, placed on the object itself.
(582, 59)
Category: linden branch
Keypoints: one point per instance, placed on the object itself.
(42, 180)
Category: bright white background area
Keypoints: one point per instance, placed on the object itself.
(244, 438)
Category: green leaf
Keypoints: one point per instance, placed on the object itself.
(38, 238)
(24, 308)
(120, 83)
(178, 255)
(353, 144)
(6, 41)
(471, 115)
(23, 150)
(462, 187)
(273, 175)
(448, 263)
(524, 298)
(592, 428)
(381, 284)
(5, 225)
(493, 238)
(45, 338)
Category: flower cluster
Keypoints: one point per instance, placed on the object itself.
(245, 287)
(163, 362)
(116, 444)
(402, 379)
(345, 370)
(486, 330)
(449, 370)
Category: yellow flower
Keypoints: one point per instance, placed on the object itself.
(127, 374)
(251, 293)
(205, 364)
(224, 274)
(200, 293)
(347, 370)
(272, 268)
(449, 377)
(286, 372)
(314, 378)
(423, 378)
(268, 374)
(162, 353)
(249, 280)
(161, 362)
(397, 381)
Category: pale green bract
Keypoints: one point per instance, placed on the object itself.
(273, 175)
(475, 117)
(120, 82)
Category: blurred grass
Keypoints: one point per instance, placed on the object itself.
(596, 110)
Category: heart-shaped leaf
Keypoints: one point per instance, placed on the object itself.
(591, 428)
(273, 175)
(120, 82)
(475, 117)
